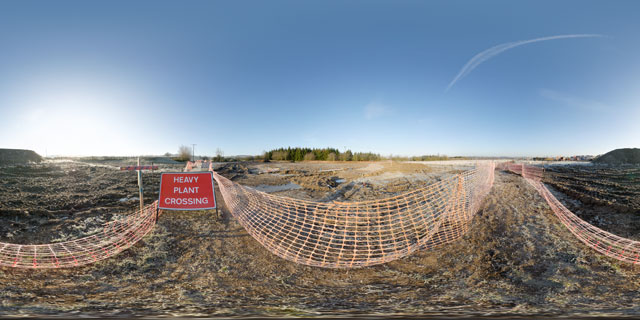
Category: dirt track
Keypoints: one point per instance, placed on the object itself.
(517, 259)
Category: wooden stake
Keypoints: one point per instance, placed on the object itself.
(140, 186)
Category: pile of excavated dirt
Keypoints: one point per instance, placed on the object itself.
(15, 156)
(620, 156)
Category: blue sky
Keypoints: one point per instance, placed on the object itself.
(129, 78)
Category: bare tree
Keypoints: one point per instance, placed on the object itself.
(279, 155)
(219, 155)
(184, 153)
(309, 156)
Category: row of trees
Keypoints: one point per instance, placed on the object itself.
(309, 154)
(321, 154)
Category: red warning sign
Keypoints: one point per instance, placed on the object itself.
(187, 191)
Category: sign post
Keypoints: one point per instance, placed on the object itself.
(139, 169)
(187, 191)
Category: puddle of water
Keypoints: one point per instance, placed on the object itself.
(389, 177)
(283, 175)
(128, 199)
(329, 170)
(282, 187)
(263, 170)
(341, 180)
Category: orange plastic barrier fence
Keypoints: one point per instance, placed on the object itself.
(358, 234)
(198, 164)
(332, 234)
(115, 237)
(602, 241)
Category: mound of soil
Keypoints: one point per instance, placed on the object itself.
(620, 156)
(13, 156)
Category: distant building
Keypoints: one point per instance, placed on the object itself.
(566, 158)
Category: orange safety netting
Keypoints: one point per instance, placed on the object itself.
(332, 234)
(198, 164)
(357, 234)
(602, 241)
(115, 237)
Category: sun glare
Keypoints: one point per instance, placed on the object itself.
(70, 121)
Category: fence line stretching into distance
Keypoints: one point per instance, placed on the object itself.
(357, 234)
(115, 237)
(609, 244)
(332, 234)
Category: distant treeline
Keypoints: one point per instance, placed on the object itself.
(324, 154)
(280, 154)
(332, 154)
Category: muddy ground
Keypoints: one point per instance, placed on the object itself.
(60, 200)
(517, 259)
(605, 196)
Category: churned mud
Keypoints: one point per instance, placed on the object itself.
(61, 200)
(517, 259)
(605, 196)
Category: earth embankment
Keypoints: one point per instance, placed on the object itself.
(620, 156)
(15, 156)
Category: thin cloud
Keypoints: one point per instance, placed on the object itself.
(494, 51)
(573, 101)
(375, 110)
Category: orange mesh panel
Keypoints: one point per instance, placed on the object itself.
(358, 234)
(115, 237)
(602, 241)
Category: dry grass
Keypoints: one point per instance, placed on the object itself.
(517, 259)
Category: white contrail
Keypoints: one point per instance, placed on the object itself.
(493, 51)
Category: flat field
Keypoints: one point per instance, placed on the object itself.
(517, 259)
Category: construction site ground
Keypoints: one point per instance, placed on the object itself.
(517, 258)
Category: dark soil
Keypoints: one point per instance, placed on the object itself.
(18, 156)
(56, 201)
(620, 156)
(517, 259)
(605, 196)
